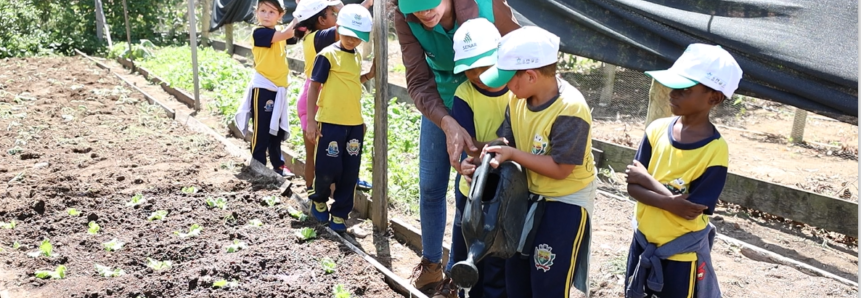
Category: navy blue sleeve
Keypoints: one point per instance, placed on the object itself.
(463, 114)
(320, 73)
(504, 130)
(324, 39)
(644, 153)
(706, 189)
(292, 41)
(263, 37)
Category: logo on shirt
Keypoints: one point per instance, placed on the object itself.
(332, 151)
(677, 186)
(353, 147)
(539, 145)
(544, 257)
(430, 55)
(269, 105)
(701, 271)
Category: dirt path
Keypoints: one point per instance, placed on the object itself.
(72, 138)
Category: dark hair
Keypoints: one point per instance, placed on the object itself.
(309, 25)
(274, 3)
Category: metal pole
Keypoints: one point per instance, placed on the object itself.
(798, 124)
(380, 196)
(128, 30)
(192, 30)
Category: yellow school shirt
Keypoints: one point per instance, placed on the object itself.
(697, 169)
(270, 59)
(339, 71)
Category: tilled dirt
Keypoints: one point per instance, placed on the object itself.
(72, 138)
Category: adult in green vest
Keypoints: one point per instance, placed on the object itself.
(425, 30)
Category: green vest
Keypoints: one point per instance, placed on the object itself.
(439, 52)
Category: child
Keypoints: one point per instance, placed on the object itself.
(677, 176)
(548, 129)
(338, 136)
(264, 100)
(480, 110)
(316, 29)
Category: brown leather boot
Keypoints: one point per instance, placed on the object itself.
(427, 275)
(446, 289)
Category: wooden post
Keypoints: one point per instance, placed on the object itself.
(797, 135)
(659, 102)
(102, 29)
(609, 85)
(228, 38)
(206, 20)
(128, 29)
(192, 32)
(380, 194)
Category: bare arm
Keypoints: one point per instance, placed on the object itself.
(678, 205)
(284, 34)
(503, 17)
(540, 164)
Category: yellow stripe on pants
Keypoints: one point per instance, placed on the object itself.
(577, 241)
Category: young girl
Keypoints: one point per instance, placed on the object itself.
(339, 135)
(315, 28)
(264, 101)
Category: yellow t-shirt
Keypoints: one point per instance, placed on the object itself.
(560, 128)
(697, 169)
(270, 59)
(339, 71)
(481, 113)
(319, 39)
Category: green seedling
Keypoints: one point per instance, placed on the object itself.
(73, 212)
(113, 245)
(297, 214)
(306, 234)
(10, 225)
(255, 223)
(224, 284)
(58, 273)
(14, 150)
(216, 203)
(136, 200)
(340, 292)
(271, 200)
(328, 265)
(45, 249)
(16, 245)
(94, 228)
(236, 246)
(158, 215)
(158, 265)
(193, 231)
(108, 272)
(189, 190)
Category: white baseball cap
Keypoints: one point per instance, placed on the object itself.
(529, 47)
(709, 65)
(475, 44)
(308, 8)
(355, 20)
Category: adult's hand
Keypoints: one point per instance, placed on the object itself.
(456, 139)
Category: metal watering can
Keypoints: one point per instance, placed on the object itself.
(493, 217)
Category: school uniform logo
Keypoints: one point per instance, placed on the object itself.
(539, 145)
(270, 105)
(677, 186)
(332, 151)
(544, 257)
(701, 271)
(353, 147)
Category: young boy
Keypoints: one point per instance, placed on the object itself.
(264, 101)
(548, 130)
(677, 176)
(337, 108)
(480, 110)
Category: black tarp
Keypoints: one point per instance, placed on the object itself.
(234, 11)
(802, 53)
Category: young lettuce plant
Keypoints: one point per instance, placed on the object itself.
(236, 246)
(255, 223)
(271, 200)
(220, 203)
(136, 200)
(306, 234)
(193, 231)
(224, 284)
(113, 245)
(10, 225)
(158, 265)
(328, 265)
(297, 214)
(158, 215)
(108, 272)
(45, 249)
(73, 212)
(340, 292)
(93, 228)
(58, 273)
(189, 190)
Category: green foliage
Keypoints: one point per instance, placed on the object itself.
(158, 265)
(189, 190)
(10, 225)
(224, 284)
(136, 200)
(340, 292)
(142, 50)
(93, 228)
(297, 214)
(193, 231)
(58, 273)
(220, 203)
(45, 249)
(306, 234)
(328, 265)
(271, 200)
(108, 272)
(255, 223)
(236, 246)
(158, 215)
(73, 212)
(113, 245)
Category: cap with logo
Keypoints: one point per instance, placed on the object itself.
(308, 8)
(355, 20)
(475, 44)
(280, 3)
(709, 65)
(411, 6)
(529, 47)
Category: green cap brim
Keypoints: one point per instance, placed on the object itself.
(486, 59)
(364, 36)
(411, 6)
(671, 79)
(495, 77)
